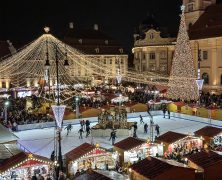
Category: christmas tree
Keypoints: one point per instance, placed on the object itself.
(182, 83)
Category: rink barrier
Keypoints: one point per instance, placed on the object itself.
(130, 116)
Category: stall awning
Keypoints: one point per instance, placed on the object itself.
(21, 160)
(170, 137)
(129, 143)
(208, 131)
(82, 150)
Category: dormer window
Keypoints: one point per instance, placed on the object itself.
(97, 50)
(151, 36)
(80, 41)
(106, 42)
(121, 50)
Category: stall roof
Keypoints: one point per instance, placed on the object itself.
(8, 150)
(6, 136)
(92, 175)
(80, 151)
(208, 131)
(170, 137)
(205, 159)
(21, 158)
(129, 143)
(152, 167)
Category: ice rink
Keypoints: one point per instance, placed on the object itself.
(41, 141)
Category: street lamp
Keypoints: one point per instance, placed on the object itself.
(58, 109)
(77, 106)
(6, 107)
(199, 81)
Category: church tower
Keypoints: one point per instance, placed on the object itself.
(194, 9)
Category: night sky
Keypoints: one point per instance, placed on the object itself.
(23, 20)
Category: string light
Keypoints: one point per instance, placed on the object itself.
(184, 88)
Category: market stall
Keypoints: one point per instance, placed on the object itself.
(131, 150)
(211, 136)
(88, 156)
(177, 143)
(24, 166)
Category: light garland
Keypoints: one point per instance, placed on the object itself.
(184, 88)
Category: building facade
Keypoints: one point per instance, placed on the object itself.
(99, 49)
(206, 36)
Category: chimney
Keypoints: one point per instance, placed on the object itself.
(96, 27)
(71, 26)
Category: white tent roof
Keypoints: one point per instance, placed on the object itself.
(6, 136)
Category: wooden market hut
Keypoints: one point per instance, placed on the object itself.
(208, 133)
(171, 139)
(207, 164)
(127, 145)
(84, 155)
(23, 160)
(158, 169)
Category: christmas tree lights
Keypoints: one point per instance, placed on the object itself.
(182, 82)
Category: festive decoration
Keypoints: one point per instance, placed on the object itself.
(58, 112)
(184, 86)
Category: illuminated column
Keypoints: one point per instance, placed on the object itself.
(7, 84)
(0, 83)
(214, 79)
(28, 82)
(36, 83)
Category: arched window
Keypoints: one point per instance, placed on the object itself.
(220, 79)
(205, 77)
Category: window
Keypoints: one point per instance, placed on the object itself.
(220, 79)
(122, 61)
(205, 55)
(163, 55)
(104, 61)
(205, 77)
(110, 61)
(152, 55)
(151, 36)
(144, 56)
(190, 7)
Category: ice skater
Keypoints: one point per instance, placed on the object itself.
(113, 137)
(141, 120)
(80, 133)
(145, 128)
(87, 131)
(157, 128)
(69, 128)
(135, 129)
(164, 112)
(168, 111)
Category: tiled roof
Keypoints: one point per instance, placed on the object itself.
(93, 42)
(92, 176)
(209, 24)
(129, 143)
(170, 137)
(18, 158)
(151, 167)
(4, 49)
(208, 131)
(205, 159)
(80, 151)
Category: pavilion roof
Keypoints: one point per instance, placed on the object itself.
(82, 150)
(170, 137)
(152, 167)
(205, 159)
(208, 131)
(6, 136)
(129, 143)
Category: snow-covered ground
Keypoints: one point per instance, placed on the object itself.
(41, 141)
